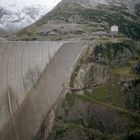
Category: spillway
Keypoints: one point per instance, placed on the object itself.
(32, 75)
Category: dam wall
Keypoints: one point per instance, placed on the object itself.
(25, 122)
(21, 64)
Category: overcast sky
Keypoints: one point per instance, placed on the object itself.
(20, 3)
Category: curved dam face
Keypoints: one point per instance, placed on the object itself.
(32, 75)
(21, 64)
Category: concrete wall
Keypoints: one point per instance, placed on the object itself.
(21, 64)
(26, 121)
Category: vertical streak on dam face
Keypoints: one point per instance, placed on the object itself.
(21, 64)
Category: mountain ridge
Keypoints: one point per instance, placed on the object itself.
(77, 12)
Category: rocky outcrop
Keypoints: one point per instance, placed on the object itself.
(101, 73)
(137, 9)
(131, 94)
(136, 68)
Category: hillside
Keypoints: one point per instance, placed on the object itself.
(103, 99)
(80, 18)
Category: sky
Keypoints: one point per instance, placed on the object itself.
(20, 3)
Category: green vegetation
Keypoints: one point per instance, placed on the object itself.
(122, 71)
(105, 111)
(90, 126)
(70, 99)
(100, 93)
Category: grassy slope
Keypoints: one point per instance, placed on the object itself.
(129, 24)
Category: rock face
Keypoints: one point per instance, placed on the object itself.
(110, 101)
(131, 94)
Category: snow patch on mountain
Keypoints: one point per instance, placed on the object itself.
(13, 19)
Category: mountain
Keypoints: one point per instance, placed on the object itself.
(85, 17)
(102, 100)
(13, 19)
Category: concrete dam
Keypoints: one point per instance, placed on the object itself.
(32, 77)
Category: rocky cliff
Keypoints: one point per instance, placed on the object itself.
(104, 99)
